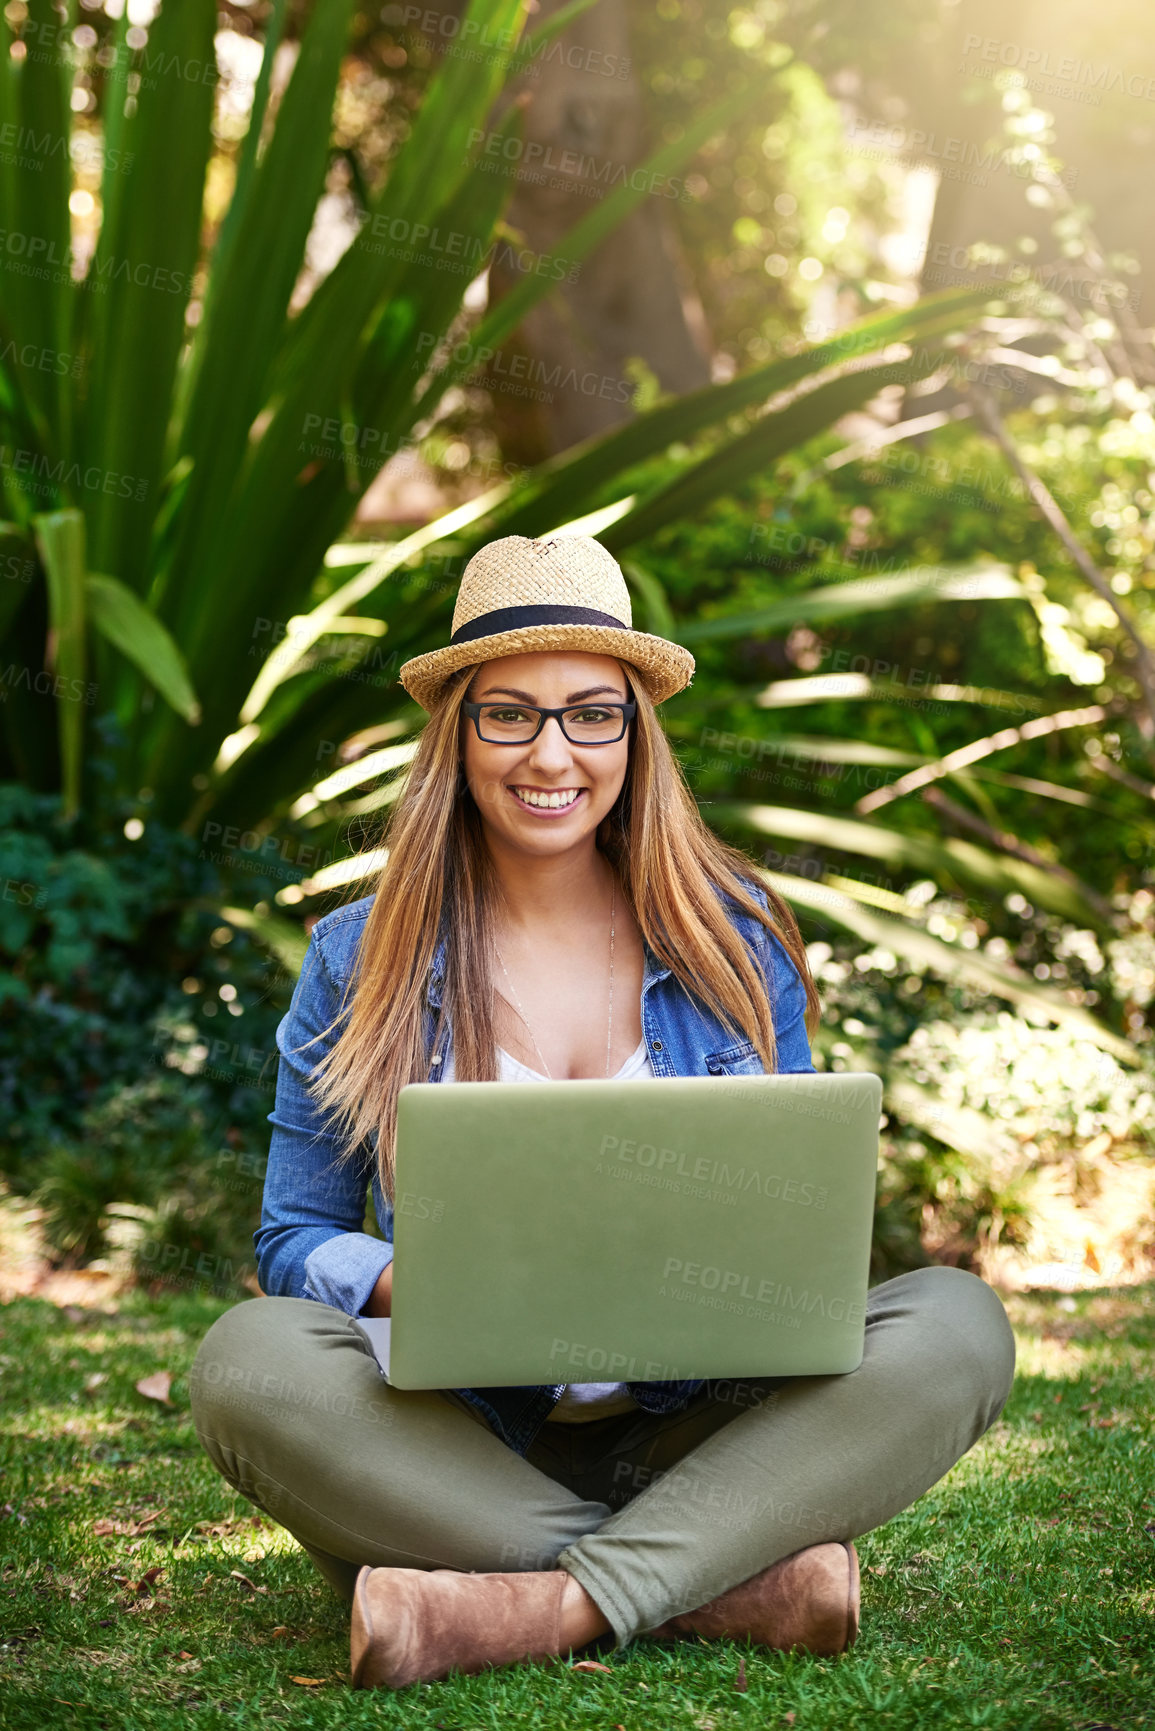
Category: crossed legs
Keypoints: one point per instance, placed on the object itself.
(652, 1515)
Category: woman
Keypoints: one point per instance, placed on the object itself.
(552, 906)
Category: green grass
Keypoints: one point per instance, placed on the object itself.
(1019, 1593)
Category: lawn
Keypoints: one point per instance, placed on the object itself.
(139, 1591)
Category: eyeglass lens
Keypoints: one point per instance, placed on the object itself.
(588, 724)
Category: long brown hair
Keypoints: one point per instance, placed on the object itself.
(439, 876)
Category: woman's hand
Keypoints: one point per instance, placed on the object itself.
(381, 1298)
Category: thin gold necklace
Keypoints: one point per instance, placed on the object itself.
(524, 1017)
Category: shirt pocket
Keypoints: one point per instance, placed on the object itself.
(739, 1060)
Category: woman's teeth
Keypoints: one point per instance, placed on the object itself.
(530, 796)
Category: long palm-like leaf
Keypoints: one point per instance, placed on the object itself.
(776, 432)
(60, 539)
(920, 949)
(142, 273)
(583, 472)
(249, 305)
(841, 600)
(997, 874)
(36, 283)
(122, 617)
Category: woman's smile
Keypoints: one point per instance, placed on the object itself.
(545, 801)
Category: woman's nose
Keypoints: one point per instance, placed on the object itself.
(551, 748)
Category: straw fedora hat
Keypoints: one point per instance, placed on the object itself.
(518, 595)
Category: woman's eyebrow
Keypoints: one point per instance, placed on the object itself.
(574, 696)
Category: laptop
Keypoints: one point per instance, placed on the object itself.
(590, 1231)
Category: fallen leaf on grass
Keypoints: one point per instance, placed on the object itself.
(740, 1681)
(252, 1585)
(789, 1718)
(93, 1382)
(309, 1682)
(156, 1387)
(591, 1665)
(146, 1582)
(105, 1528)
(222, 1529)
(876, 1568)
(279, 1631)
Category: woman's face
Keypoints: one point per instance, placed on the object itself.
(506, 779)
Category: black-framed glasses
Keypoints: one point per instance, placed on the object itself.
(518, 723)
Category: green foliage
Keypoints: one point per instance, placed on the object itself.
(180, 486)
(137, 1052)
(163, 478)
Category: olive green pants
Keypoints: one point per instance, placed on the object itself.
(654, 1515)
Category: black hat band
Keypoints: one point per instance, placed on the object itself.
(514, 618)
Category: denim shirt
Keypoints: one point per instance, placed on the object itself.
(310, 1242)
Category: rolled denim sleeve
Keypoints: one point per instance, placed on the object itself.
(788, 1003)
(787, 996)
(310, 1243)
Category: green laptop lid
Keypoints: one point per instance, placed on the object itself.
(585, 1231)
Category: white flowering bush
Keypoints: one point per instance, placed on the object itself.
(1048, 1087)
(1132, 966)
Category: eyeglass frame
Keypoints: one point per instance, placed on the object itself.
(473, 711)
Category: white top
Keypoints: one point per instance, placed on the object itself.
(580, 1401)
(637, 1067)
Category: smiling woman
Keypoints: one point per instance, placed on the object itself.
(552, 906)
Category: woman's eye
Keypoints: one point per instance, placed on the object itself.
(591, 715)
(507, 715)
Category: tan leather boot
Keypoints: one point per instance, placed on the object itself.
(417, 1625)
(808, 1600)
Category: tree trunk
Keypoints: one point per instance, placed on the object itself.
(563, 376)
